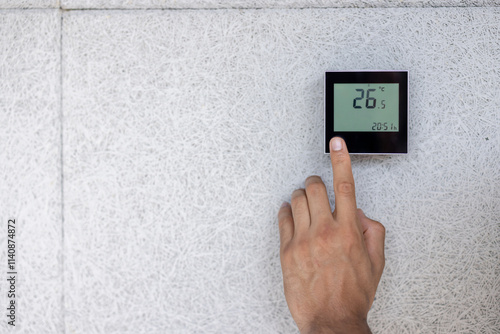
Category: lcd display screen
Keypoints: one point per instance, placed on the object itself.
(366, 107)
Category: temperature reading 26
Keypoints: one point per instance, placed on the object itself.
(383, 126)
(371, 102)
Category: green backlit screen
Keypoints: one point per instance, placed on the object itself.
(370, 107)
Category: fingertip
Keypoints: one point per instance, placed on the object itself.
(285, 223)
(339, 156)
(285, 208)
(312, 179)
(336, 144)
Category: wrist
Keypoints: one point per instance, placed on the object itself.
(360, 327)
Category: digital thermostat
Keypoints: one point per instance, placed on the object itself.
(369, 109)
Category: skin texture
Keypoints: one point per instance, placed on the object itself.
(331, 262)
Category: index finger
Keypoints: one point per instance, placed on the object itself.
(343, 181)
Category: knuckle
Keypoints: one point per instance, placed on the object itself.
(377, 226)
(322, 254)
(303, 257)
(340, 158)
(316, 187)
(326, 236)
(380, 227)
(301, 249)
(325, 219)
(324, 244)
(295, 200)
(297, 204)
(313, 178)
(350, 241)
(284, 221)
(286, 254)
(297, 196)
(345, 188)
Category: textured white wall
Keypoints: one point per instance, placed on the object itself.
(29, 3)
(184, 131)
(148, 4)
(271, 4)
(30, 168)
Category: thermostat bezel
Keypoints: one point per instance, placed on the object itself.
(368, 142)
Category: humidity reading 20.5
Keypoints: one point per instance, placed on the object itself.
(366, 107)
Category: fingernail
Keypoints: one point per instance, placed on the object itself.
(284, 204)
(336, 144)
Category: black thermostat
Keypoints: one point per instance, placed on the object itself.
(368, 109)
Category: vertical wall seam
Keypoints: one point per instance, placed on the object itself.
(61, 157)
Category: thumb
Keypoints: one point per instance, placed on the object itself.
(374, 234)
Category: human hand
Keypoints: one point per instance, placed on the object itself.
(331, 262)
